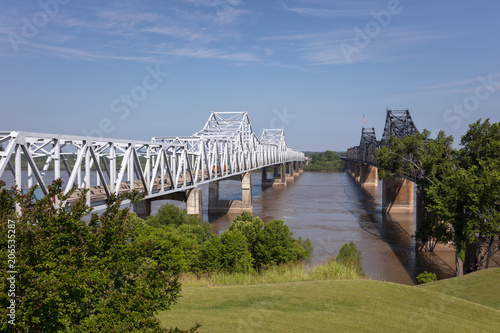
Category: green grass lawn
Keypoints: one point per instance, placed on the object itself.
(328, 306)
(479, 287)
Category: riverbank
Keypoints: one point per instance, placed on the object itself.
(340, 306)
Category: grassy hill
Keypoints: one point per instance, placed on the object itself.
(337, 306)
(480, 287)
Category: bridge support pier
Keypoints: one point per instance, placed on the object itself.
(368, 175)
(296, 169)
(142, 208)
(357, 171)
(192, 197)
(289, 173)
(352, 169)
(279, 176)
(397, 195)
(194, 202)
(231, 206)
(301, 167)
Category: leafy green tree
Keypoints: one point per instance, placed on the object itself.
(461, 187)
(480, 157)
(177, 235)
(235, 254)
(77, 276)
(210, 256)
(227, 253)
(349, 255)
(276, 245)
(250, 227)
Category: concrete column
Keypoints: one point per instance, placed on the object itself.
(397, 195)
(352, 169)
(368, 175)
(264, 175)
(296, 169)
(357, 171)
(143, 208)
(194, 202)
(246, 190)
(213, 193)
(283, 174)
(231, 206)
(289, 175)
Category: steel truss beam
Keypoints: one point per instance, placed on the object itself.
(398, 123)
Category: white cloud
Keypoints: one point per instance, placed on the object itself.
(461, 86)
(212, 54)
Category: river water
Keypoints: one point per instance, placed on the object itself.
(331, 209)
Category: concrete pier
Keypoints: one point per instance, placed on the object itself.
(192, 197)
(194, 202)
(231, 206)
(289, 171)
(278, 179)
(142, 208)
(357, 172)
(397, 195)
(368, 175)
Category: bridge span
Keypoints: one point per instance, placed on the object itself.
(163, 168)
(398, 192)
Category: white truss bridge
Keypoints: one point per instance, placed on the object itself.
(226, 147)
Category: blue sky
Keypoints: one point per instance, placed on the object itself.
(137, 69)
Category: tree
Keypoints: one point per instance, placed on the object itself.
(79, 276)
(349, 255)
(480, 156)
(228, 253)
(250, 227)
(461, 187)
(276, 245)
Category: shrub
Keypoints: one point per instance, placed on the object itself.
(349, 255)
(426, 277)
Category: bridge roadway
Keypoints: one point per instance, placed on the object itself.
(163, 168)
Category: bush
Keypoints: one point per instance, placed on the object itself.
(426, 277)
(349, 255)
(250, 244)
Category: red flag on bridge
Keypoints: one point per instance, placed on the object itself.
(363, 119)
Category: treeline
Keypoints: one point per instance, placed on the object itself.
(114, 272)
(324, 161)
